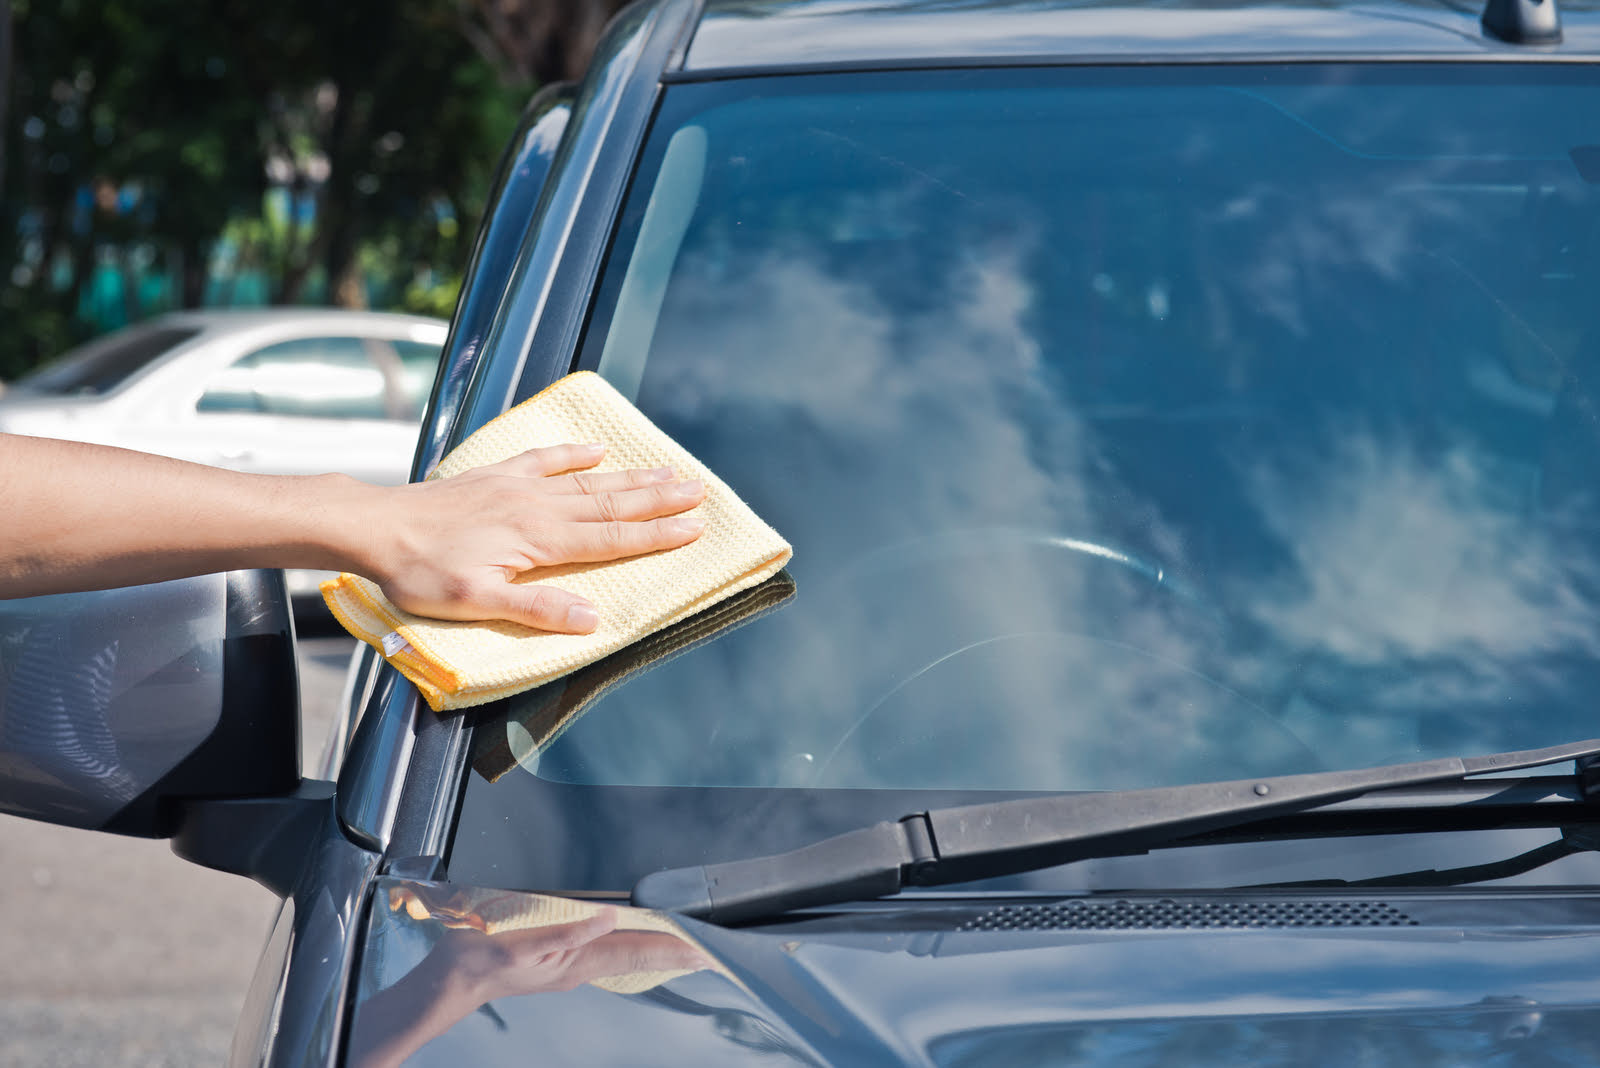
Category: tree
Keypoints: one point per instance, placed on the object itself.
(145, 135)
(535, 41)
(128, 148)
(409, 123)
(5, 83)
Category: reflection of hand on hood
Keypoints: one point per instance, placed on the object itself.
(503, 950)
(539, 960)
(496, 913)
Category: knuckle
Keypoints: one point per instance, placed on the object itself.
(529, 465)
(661, 498)
(614, 535)
(540, 550)
(542, 603)
(607, 507)
(584, 481)
(538, 460)
(558, 458)
(503, 487)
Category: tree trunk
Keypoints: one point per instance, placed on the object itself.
(338, 222)
(5, 86)
(538, 40)
(195, 268)
(339, 252)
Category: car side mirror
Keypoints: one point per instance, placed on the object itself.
(119, 707)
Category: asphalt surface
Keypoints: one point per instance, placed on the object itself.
(118, 953)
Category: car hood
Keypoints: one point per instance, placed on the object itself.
(484, 977)
(21, 412)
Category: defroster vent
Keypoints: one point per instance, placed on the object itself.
(1167, 914)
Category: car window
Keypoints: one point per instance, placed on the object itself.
(326, 377)
(1131, 427)
(105, 363)
(419, 365)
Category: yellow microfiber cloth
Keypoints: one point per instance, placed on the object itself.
(457, 665)
(496, 912)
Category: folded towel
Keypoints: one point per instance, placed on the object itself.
(531, 723)
(497, 911)
(456, 665)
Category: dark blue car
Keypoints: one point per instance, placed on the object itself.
(1186, 417)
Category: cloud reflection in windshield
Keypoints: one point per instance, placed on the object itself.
(1378, 599)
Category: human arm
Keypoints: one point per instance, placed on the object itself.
(80, 517)
(469, 968)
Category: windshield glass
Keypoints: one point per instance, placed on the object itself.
(103, 364)
(1130, 427)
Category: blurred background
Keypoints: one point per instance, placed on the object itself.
(163, 164)
(167, 154)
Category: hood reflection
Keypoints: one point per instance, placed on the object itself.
(486, 945)
(932, 987)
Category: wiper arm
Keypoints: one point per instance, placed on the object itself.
(1571, 842)
(954, 845)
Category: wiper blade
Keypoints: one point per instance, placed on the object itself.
(954, 845)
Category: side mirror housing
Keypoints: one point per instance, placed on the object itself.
(118, 708)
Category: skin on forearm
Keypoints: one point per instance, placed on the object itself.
(81, 517)
(466, 969)
(398, 1021)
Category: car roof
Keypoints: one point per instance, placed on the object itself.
(738, 36)
(210, 319)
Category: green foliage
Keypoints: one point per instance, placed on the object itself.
(164, 153)
(432, 296)
(45, 328)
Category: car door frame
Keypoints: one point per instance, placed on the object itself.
(399, 781)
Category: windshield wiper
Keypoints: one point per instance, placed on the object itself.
(954, 845)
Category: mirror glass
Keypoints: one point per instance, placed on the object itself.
(104, 693)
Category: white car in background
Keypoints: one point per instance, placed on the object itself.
(276, 391)
(281, 391)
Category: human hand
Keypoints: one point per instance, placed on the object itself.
(455, 548)
(479, 967)
(468, 968)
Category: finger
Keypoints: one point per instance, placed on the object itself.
(652, 502)
(629, 952)
(608, 481)
(560, 937)
(586, 543)
(551, 460)
(540, 607)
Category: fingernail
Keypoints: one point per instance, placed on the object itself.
(594, 449)
(661, 474)
(687, 526)
(691, 490)
(583, 617)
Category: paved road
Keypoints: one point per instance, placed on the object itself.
(118, 953)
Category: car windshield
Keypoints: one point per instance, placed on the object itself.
(1131, 428)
